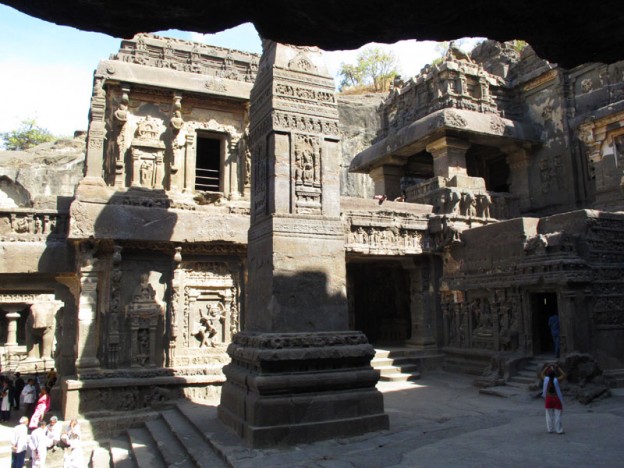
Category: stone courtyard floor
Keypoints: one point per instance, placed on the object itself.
(442, 420)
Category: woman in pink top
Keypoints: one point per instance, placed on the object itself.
(43, 406)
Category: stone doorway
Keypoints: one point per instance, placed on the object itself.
(543, 305)
(379, 301)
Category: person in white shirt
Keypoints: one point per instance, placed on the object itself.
(29, 395)
(55, 430)
(19, 443)
(38, 445)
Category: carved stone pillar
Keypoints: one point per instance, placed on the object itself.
(87, 336)
(449, 157)
(519, 161)
(297, 276)
(189, 164)
(421, 307)
(12, 316)
(177, 283)
(387, 180)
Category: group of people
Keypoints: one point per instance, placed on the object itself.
(46, 436)
(34, 397)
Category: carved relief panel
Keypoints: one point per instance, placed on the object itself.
(307, 169)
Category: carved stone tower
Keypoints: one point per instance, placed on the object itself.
(297, 373)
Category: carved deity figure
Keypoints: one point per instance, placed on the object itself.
(206, 330)
(40, 326)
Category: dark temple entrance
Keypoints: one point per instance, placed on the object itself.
(543, 305)
(379, 301)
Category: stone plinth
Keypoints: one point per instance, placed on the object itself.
(287, 388)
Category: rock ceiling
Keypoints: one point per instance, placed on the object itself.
(565, 32)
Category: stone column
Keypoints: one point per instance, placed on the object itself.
(297, 373)
(421, 308)
(86, 339)
(12, 316)
(387, 180)
(519, 161)
(189, 163)
(449, 157)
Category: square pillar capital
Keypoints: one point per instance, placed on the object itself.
(449, 156)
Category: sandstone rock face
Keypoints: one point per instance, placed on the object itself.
(359, 124)
(348, 24)
(38, 176)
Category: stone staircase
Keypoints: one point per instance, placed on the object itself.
(402, 364)
(527, 376)
(176, 438)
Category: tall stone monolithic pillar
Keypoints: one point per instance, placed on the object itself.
(297, 373)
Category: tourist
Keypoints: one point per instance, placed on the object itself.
(551, 392)
(73, 443)
(29, 398)
(55, 430)
(6, 395)
(553, 324)
(38, 444)
(19, 443)
(17, 390)
(43, 406)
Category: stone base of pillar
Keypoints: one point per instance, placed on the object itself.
(289, 388)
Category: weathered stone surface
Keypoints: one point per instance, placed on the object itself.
(39, 175)
(347, 25)
(359, 123)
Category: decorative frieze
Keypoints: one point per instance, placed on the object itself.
(191, 57)
(32, 226)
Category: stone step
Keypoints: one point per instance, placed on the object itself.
(171, 450)
(144, 449)
(400, 377)
(615, 377)
(522, 380)
(403, 369)
(198, 448)
(101, 457)
(121, 453)
(527, 374)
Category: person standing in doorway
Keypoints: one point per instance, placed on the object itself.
(553, 324)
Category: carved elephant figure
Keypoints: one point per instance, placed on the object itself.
(40, 326)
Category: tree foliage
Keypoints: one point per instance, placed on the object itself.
(29, 134)
(374, 70)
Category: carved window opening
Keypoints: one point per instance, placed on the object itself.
(418, 169)
(489, 163)
(209, 162)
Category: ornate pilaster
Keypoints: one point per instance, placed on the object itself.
(115, 313)
(87, 336)
(97, 131)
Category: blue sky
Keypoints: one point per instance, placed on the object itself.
(46, 70)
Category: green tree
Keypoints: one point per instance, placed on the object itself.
(374, 70)
(29, 134)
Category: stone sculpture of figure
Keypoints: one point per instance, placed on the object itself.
(469, 205)
(40, 329)
(145, 174)
(206, 329)
(452, 202)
